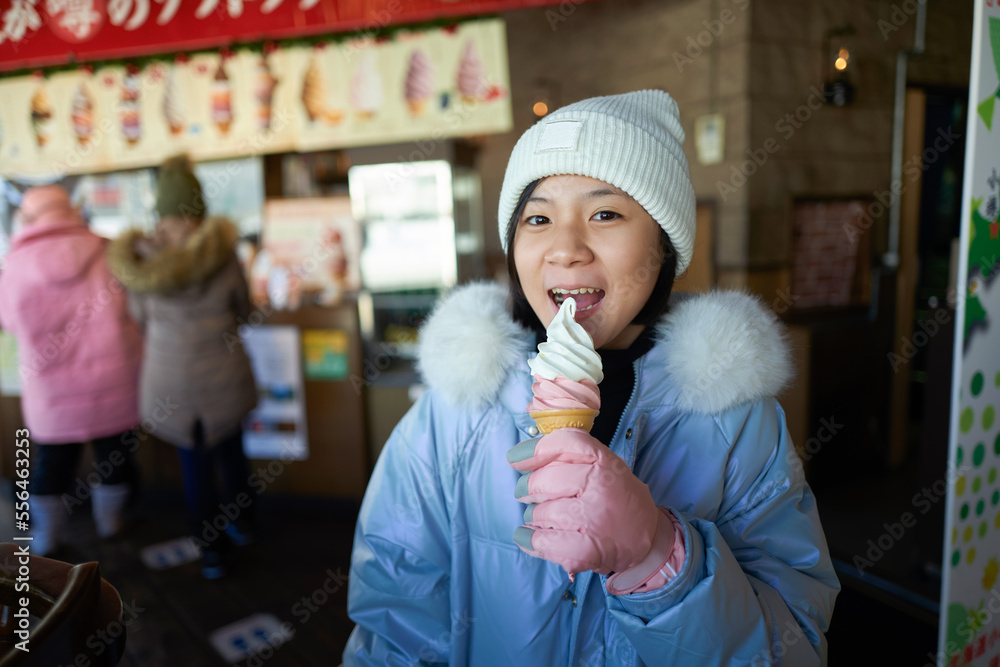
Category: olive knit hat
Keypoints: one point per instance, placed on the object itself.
(633, 141)
(178, 192)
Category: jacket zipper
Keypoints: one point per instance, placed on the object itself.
(581, 591)
(628, 406)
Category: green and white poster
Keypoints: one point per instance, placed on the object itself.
(325, 352)
(969, 632)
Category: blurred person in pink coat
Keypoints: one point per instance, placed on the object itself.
(80, 355)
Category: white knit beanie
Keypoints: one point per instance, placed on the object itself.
(632, 141)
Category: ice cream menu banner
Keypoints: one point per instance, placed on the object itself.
(418, 86)
(969, 632)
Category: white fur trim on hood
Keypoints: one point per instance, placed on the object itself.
(722, 348)
(470, 343)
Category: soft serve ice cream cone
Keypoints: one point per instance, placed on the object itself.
(419, 82)
(129, 108)
(82, 114)
(222, 107)
(471, 77)
(567, 371)
(41, 116)
(263, 92)
(314, 91)
(366, 87)
(174, 109)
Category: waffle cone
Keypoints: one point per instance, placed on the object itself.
(417, 107)
(550, 420)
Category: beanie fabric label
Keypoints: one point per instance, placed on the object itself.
(560, 136)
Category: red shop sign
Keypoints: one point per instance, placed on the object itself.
(41, 33)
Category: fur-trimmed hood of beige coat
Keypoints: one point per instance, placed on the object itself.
(190, 300)
(204, 253)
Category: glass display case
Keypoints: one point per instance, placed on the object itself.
(422, 228)
(114, 202)
(408, 218)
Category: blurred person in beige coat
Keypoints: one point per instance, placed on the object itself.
(188, 292)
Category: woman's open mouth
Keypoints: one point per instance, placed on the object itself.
(587, 298)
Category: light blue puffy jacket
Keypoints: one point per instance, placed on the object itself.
(436, 578)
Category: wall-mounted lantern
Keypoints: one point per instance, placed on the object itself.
(838, 62)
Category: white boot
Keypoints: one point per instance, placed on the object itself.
(49, 517)
(108, 503)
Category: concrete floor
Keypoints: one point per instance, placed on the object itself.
(297, 571)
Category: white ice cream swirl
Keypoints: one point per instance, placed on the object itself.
(569, 350)
(366, 85)
(173, 101)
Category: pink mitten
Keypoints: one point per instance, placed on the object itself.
(588, 510)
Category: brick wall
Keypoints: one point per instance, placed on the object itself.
(829, 265)
(574, 51)
(761, 66)
(829, 151)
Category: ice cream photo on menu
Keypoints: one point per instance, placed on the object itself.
(419, 85)
(129, 107)
(263, 92)
(174, 107)
(314, 90)
(366, 87)
(82, 114)
(222, 103)
(315, 94)
(471, 78)
(41, 116)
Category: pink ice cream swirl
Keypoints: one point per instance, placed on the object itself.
(471, 78)
(419, 77)
(564, 394)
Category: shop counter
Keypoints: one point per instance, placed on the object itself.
(337, 462)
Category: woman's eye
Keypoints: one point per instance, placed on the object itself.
(607, 216)
(535, 220)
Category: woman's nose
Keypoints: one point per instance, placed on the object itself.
(568, 246)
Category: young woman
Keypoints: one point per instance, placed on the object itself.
(187, 291)
(684, 512)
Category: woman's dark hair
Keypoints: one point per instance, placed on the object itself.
(520, 309)
(657, 304)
